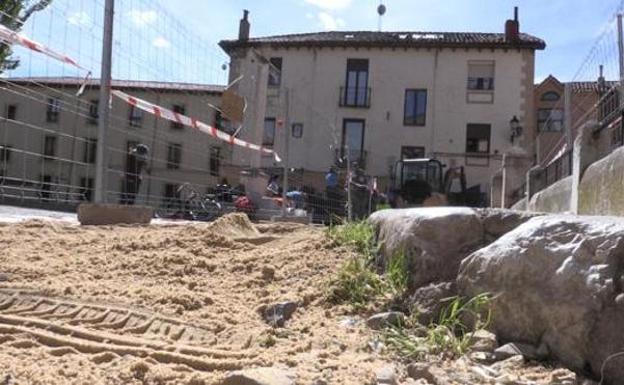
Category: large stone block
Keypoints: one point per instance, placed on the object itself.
(557, 282)
(113, 214)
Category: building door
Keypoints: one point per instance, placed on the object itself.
(353, 139)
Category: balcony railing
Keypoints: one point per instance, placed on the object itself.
(355, 97)
(357, 158)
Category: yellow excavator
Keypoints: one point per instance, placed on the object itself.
(424, 183)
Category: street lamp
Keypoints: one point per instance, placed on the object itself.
(516, 129)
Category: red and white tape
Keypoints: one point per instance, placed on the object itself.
(11, 37)
(166, 114)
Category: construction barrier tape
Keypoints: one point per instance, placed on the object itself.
(172, 116)
(11, 37)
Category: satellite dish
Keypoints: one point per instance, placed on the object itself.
(381, 10)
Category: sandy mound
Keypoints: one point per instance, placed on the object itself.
(176, 304)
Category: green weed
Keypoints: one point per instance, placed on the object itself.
(355, 284)
(451, 336)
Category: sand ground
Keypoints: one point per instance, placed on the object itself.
(176, 304)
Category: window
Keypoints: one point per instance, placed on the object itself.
(412, 152)
(11, 112)
(275, 72)
(53, 110)
(135, 117)
(46, 186)
(5, 154)
(93, 112)
(550, 96)
(86, 188)
(478, 138)
(415, 108)
(297, 130)
(268, 137)
(353, 139)
(356, 93)
(221, 123)
(90, 150)
(49, 146)
(174, 156)
(215, 160)
(550, 120)
(481, 76)
(171, 195)
(181, 110)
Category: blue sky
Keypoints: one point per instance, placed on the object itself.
(569, 27)
(175, 40)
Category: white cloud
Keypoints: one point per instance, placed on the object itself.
(79, 18)
(329, 22)
(331, 4)
(161, 42)
(142, 18)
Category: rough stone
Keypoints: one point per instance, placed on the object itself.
(434, 239)
(4, 277)
(382, 320)
(483, 341)
(93, 214)
(277, 314)
(518, 349)
(437, 239)
(419, 371)
(260, 376)
(387, 375)
(428, 302)
(555, 280)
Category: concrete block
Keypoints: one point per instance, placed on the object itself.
(113, 214)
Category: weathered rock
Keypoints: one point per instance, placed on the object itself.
(428, 302)
(518, 349)
(383, 320)
(556, 280)
(418, 370)
(387, 375)
(4, 277)
(260, 376)
(277, 314)
(483, 341)
(437, 239)
(498, 222)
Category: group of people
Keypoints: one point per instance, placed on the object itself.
(358, 184)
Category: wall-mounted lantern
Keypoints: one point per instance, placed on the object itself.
(516, 129)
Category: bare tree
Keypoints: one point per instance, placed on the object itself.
(13, 14)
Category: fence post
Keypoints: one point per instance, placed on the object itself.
(104, 106)
(584, 153)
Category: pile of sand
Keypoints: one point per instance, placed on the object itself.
(176, 304)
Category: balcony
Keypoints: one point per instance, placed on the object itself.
(355, 97)
(356, 157)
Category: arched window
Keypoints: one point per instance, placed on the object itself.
(550, 96)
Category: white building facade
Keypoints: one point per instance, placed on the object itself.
(383, 96)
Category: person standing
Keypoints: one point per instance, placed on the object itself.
(137, 160)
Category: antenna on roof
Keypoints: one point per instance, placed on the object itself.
(381, 10)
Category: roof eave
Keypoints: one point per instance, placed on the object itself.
(230, 45)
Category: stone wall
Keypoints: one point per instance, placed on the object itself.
(601, 191)
(554, 199)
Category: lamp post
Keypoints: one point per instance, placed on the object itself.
(516, 129)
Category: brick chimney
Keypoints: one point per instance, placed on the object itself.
(512, 28)
(243, 30)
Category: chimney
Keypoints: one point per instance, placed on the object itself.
(243, 30)
(512, 28)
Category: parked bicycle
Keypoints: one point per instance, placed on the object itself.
(192, 206)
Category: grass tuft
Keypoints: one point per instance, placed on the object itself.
(358, 235)
(452, 336)
(355, 284)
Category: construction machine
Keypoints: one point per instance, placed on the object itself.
(423, 182)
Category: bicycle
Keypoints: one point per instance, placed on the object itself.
(195, 207)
